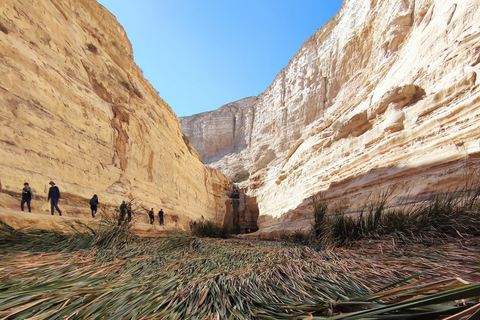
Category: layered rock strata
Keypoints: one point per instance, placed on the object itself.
(383, 96)
(75, 108)
(217, 133)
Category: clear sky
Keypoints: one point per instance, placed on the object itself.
(202, 54)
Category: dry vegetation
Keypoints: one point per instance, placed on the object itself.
(109, 273)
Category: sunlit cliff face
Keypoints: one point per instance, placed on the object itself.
(76, 109)
(384, 96)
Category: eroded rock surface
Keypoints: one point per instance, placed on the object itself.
(383, 96)
(217, 133)
(75, 108)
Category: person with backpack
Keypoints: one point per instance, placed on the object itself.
(27, 196)
(93, 205)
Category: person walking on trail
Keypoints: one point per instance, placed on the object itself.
(123, 212)
(93, 205)
(191, 225)
(151, 216)
(53, 197)
(129, 212)
(160, 217)
(27, 196)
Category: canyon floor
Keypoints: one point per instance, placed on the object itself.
(46, 275)
(59, 273)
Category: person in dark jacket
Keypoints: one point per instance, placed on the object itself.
(27, 196)
(93, 205)
(151, 216)
(160, 217)
(53, 197)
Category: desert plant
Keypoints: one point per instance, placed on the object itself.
(184, 277)
(448, 214)
(241, 176)
(211, 229)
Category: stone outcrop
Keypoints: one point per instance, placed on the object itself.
(216, 133)
(384, 96)
(76, 109)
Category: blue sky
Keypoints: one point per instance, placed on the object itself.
(200, 55)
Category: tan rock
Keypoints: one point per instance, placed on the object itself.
(76, 109)
(385, 95)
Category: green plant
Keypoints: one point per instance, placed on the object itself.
(449, 214)
(241, 176)
(211, 229)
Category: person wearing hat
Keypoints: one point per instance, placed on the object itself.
(27, 196)
(53, 196)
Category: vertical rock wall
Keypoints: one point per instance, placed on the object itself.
(383, 96)
(76, 109)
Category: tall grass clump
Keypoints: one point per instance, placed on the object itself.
(211, 229)
(450, 214)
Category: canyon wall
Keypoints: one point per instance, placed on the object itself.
(76, 109)
(384, 96)
(217, 133)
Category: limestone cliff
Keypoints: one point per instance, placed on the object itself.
(76, 109)
(385, 95)
(217, 133)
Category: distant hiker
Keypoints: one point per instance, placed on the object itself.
(203, 218)
(151, 216)
(129, 212)
(123, 212)
(191, 225)
(160, 217)
(27, 196)
(53, 196)
(93, 205)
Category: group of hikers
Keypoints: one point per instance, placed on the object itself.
(54, 196)
(151, 215)
(126, 211)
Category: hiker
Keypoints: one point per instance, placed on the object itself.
(191, 225)
(152, 216)
(27, 196)
(160, 217)
(93, 205)
(123, 212)
(129, 212)
(53, 197)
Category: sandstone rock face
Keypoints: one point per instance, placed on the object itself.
(75, 108)
(217, 133)
(384, 96)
